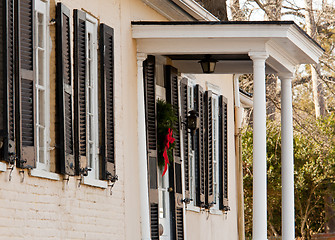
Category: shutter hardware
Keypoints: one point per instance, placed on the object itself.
(187, 200)
(52, 21)
(226, 208)
(209, 205)
(192, 124)
(111, 184)
(83, 172)
(11, 166)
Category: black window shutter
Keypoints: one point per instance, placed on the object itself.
(184, 98)
(80, 134)
(107, 101)
(25, 85)
(175, 169)
(151, 125)
(223, 155)
(209, 148)
(199, 148)
(7, 86)
(64, 90)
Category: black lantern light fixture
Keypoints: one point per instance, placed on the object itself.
(192, 121)
(208, 64)
(193, 124)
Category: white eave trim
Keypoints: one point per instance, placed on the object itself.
(305, 44)
(168, 10)
(195, 10)
(187, 31)
(246, 101)
(232, 37)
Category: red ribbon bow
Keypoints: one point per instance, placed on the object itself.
(168, 139)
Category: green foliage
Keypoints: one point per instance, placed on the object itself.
(314, 171)
(166, 118)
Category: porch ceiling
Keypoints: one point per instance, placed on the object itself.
(229, 42)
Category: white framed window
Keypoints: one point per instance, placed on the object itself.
(215, 102)
(191, 153)
(92, 97)
(42, 95)
(215, 118)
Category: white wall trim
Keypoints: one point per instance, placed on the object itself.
(214, 88)
(3, 167)
(305, 43)
(192, 208)
(215, 211)
(44, 174)
(95, 182)
(246, 101)
(168, 10)
(196, 10)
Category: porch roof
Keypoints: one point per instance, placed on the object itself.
(229, 42)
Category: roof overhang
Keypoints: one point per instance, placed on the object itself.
(181, 10)
(286, 44)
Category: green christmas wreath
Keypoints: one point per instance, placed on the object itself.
(166, 118)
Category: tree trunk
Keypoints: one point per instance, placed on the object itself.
(330, 214)
(318, 93)
(319, 102)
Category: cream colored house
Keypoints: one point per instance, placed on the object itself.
(78, 145)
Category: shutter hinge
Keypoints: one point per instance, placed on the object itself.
(209, 205)
(52, 21)
(226, 208)
(84, 171)
(187, 200)
(111, 183)
(111, 178)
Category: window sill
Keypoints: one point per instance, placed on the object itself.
(192, 208)
(44, 174)
(215, 211)
(3, 167)
(95, 182)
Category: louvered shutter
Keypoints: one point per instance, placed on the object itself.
(209, 148)
(7, 86)
(175, 170)
(199, 147)
(151, 125)
(184, 98)
(223, 155)
(64, 90)
(25, 86)
(80, 68)
(107, 101)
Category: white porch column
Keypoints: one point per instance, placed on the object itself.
(259, 147)
(287, 171)
(142, 151)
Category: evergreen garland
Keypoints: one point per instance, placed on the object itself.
(166, 119)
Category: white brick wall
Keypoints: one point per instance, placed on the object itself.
(39, 208)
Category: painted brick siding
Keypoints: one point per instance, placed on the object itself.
(39, 208)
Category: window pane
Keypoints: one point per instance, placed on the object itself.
(90, 162)
(41, 104)
(91, 128)
(41, 158)
(41, 67)
(90, 101)
(89, 71)
(40, 20)
(41, 143)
